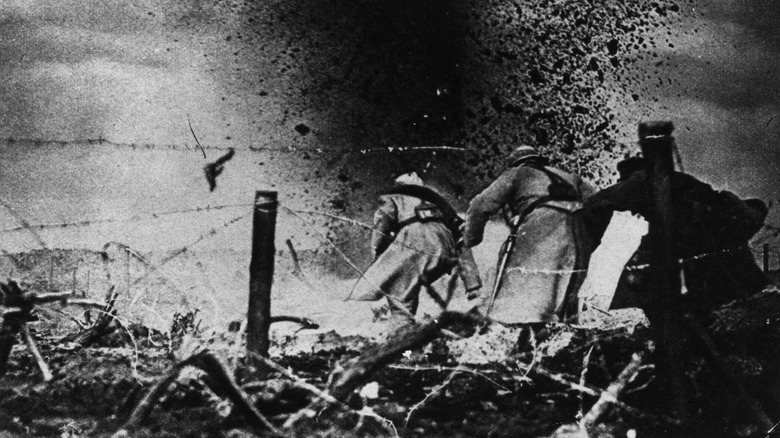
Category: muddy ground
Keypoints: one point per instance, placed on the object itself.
(471, 381)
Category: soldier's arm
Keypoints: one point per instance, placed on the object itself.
(385, 217)
(627, 195)
(587, 189)
(485, 205)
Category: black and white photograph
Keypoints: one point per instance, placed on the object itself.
(390, 218)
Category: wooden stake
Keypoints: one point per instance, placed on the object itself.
(261, 273)
(657, 143)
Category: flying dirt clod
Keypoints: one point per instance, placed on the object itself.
(213, 170)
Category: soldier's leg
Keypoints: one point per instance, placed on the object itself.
(443, 267)
(419, 270)
(452, 282)
(405, 303)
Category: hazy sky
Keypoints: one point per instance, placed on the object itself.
(138, 71)
(724, 96)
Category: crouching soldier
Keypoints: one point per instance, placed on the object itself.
(711, 230)
(415, 242)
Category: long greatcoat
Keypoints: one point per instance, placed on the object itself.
(716, 270)
(546, 250)
(418, 255)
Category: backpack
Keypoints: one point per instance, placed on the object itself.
(445, 214)
(559, 189)
(723, 215)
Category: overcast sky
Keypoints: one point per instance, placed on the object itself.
(724, 93)
(137, 72)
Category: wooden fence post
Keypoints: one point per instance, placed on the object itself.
(261, 273)
(656, 141)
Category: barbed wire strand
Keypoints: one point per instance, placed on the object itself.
(214, 231)
(523, 269)
(286, 149)
(155, 268)
(329, 242)
(199, 209)
(534, 271)
(133, 218)
(371, 227)
(24, 224)
(296, 212)
(149, 266)
(210, 285)
(387, 295)
(154, 215)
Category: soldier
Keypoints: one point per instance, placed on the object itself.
(541, 259)
(711, 232)
(415, 242)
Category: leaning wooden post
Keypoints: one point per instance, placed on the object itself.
(261, 273)
(657, 144)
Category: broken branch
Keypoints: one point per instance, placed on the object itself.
(36, 353)
(460, 368)
(413, 335)
(305, 322)
(538, 369)
(429, 396)
(611, 394)
(104, 324)
(221, 383)
(322, 395)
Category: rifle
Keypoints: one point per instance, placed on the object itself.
(559, 189)
(508, 246)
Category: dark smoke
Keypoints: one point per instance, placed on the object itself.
(484, 76)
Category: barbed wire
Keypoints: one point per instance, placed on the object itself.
(25, 224)
(375, 230)
(212, 232)
(521, 269)
(133, 218)
(297, 213)
(628, 267)
(400, 307)
(199, 147)
(330, 242)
